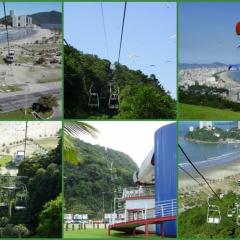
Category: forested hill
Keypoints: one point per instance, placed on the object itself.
(87, 179)
(141, 96)
(52, 17)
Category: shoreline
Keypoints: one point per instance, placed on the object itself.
(223, 77)
(216, 175)
(39, 34)
(230, 141)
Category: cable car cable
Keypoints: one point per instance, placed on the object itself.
(6, 26)
(185, 171)
(123, 23)
(104, 30)
(198, 171)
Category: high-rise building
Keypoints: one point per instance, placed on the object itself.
(20, 21)
(12, 13)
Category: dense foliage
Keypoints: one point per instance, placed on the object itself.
(207, 96)
(213, 135)
(141, 96)
(87, 179)
(43, 183)
(193, 222)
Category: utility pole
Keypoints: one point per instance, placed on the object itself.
(25, 139)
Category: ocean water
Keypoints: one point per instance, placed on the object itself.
(206, 155)
(52, 26)
(235, 75)
(15, 34)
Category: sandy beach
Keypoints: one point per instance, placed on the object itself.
(228, 82)
(40, 33)
(216, 175)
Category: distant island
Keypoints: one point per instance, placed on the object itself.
(213, 135)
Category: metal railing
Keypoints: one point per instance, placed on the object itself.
(137, 192)
(165, 208)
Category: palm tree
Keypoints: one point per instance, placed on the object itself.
(74, 129)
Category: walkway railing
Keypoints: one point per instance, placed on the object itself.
(165, 208)
(137, 192)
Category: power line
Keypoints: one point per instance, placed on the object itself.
(198, 171)
(123, 22)
(5, 16)
(66, 42)
(104, 29)
(25, 139)
(186, 172)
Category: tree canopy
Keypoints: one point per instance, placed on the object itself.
(141, 96)
(90, 176)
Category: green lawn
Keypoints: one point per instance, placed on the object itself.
(49, 143)
(20, 115)
(4, 160)
(188, 111)
(11, 88)
(101, 234)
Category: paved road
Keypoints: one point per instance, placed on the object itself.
(15, 102)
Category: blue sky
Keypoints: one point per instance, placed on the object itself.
(149, 35)
(22, 8)
(207, 32)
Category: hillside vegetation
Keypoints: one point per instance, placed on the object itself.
(42, 216)
(193, 222)
(141, 96)
(90, 176)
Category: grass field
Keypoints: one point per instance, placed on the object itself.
(19, 115)
(101, 234)
(188, 111)
(48, 143)
(4, 160)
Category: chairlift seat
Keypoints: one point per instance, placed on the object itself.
(93, 100)
(19, 208)
(213, 215)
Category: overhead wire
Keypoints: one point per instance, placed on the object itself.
(186, 172)
(104, 30)
(195, 168)
(123, 23)
(6, 24)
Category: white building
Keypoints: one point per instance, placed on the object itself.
(14, 21)
(205, 124)
(18, 157)
(20, 21)
(238, 124)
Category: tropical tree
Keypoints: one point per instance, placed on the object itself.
(73, 129)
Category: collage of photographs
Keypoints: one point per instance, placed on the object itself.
(120, 120)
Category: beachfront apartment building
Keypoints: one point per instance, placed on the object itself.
(20, 21)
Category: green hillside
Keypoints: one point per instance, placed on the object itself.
(188, 111)
(141, 96)
(193, 222)
(52, 17)
(87, 179)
